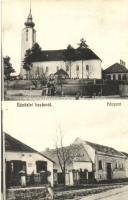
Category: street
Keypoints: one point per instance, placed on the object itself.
(114, 194)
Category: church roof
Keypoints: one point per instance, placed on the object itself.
(105, 149)
(58, 55)
(14, 145)
(116, 68)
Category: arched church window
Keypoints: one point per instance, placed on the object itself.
(26, 34)
(57, 68)
(77, 67)
(87, 67)
(67, 68)
(46, 68)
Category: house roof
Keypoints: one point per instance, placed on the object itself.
(116, 68)
(14, 145)
(105, 149)
(57, 55)
(76, 153)
(126, 154)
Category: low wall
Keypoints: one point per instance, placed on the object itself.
(35, 193)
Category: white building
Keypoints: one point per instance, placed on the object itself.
(86, 64)
(22, 158)
(117, 71)
(89, 162)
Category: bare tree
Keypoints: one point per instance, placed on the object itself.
(64, 154)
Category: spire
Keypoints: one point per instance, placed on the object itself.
(29, 22)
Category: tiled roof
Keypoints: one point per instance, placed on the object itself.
(14, 145)
(76, 153)
(105, 149)
(116, 68)
(58, 55)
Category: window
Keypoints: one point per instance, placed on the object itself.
(57, 68)
(26, 34)
(77, 67)
(100, 164)
(119, 77)
(67, 68)
(87, 67)
(124, 77)
(41, 166)
(46, 69)
(108, 77)
(114, 77)
(116, 165)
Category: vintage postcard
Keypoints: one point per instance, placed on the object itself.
(64, 50)
(73, 49)
(66, 151)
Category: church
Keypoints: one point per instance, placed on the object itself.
(85, 64)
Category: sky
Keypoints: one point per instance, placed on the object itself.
(93, 121)
(102, 23)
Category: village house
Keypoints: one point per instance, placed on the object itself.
(126, 163)
(25, 166)
(85, 64)
(88, 162)
(117, 71)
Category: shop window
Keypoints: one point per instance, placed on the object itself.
(100, 164)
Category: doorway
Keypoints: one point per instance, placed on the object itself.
(109, 171)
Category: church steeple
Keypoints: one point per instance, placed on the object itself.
(28, 39)
(29, 22)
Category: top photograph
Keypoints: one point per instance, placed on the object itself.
(64, 50)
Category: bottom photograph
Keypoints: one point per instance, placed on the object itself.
(54, 154)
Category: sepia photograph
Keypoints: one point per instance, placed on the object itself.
(50, 153)
(60, 49)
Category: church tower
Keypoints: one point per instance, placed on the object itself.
(27, 40)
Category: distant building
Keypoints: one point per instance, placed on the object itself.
(20, 158)
(126, 163)
(84, 65)
(117, 71)
(89, 162)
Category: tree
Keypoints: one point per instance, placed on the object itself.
(27, 63)
(64, 154)
(32, 55)
(69, 54)
(81, 51)
(8, 69)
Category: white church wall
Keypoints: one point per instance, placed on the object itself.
(94, 67)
